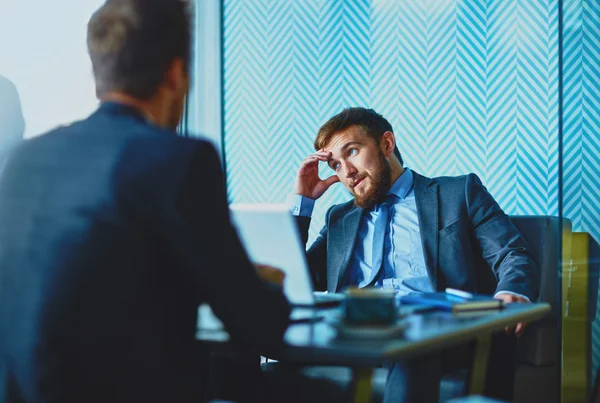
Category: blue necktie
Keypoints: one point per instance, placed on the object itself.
(382, 224)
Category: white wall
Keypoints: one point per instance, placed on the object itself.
(43, 52)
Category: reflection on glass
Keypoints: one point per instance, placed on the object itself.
(580, 195)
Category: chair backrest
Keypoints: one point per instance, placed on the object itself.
(539, 345)
(543, 237)
(594, 273)
(595, 398)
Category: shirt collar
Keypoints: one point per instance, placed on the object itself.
(403, 184)
(122, 109)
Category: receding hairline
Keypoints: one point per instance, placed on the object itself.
(322, 140)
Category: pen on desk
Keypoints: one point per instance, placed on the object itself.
(459, 293)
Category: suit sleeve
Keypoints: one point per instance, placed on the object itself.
(316, 255)
(210, 253)
(502, 246)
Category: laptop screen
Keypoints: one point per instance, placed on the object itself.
(270, 236)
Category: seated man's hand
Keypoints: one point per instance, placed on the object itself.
(270, 274)
(510, 298)
(308, 183)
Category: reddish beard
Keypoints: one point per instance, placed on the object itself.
(378, 185)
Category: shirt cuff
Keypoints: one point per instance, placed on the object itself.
(301, 206)
(512, 293)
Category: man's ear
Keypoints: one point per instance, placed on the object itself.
(388, 144)
(176, 75)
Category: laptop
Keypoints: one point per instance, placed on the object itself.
(270, 236)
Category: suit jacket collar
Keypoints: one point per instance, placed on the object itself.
(117, 108)
(426, 198)
(350, 225)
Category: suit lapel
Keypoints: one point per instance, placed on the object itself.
(426, 197)
(350, 224)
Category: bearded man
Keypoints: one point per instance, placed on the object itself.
(408, 232)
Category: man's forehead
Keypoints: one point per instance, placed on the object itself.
(337, 141)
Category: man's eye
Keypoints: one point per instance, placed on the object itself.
(352, 151)
(335, 166)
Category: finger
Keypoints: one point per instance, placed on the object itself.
(314, 157)
(267, 270)
(506, 298)
(264, 266)
(520, 328)
(275, 271)
(321, 154)
(321, 157)
(309, 161)
(331, 180)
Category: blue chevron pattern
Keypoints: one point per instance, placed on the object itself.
(581, 147)
(469, 86)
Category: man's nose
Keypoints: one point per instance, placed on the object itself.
(349, 169)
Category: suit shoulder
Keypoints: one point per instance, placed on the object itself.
(460, 181)
(198, 151)
(189, 146)
(169, 142)
(145, 144)
(341, 209)
(131, 144)
(174, 155)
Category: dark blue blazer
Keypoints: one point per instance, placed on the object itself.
(468, 242)
(112, 232)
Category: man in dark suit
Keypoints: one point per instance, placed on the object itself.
(113, 230)
(405, 231)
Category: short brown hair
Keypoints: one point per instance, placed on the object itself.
(133, 42)
(372, 123)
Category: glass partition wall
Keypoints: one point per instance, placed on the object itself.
(468, 87)
(580, 143)
(505, 89)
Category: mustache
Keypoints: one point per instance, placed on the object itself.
(357, 179)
